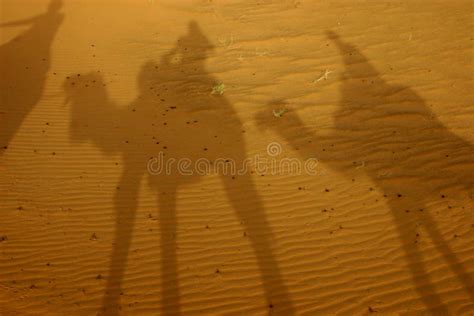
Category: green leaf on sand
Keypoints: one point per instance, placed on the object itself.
(218, 89)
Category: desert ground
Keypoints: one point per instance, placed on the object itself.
(353, 120)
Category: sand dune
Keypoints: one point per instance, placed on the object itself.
(377, 94)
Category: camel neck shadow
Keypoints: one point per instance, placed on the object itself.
(24, 63)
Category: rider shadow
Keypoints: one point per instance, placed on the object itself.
(24, 63)
(393, 132)
(175, 116)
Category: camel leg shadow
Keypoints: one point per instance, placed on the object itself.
(250, 211)
(169, 262)
(406, 227)
(126, 203)
(449, 256)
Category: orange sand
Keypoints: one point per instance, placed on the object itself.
(379, 92)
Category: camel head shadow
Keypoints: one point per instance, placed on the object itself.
(93, 115)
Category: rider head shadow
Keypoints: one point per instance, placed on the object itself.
(414, 160)
(175, 117)
(24, 64)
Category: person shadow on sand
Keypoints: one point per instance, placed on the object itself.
(175, 114)
(409, 155)
(24, 63)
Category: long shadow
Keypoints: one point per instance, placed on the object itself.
(388, 132)
(177, 116)
(24, 64)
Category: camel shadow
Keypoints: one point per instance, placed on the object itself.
(400, 141)
(176, 117)
(24, 64)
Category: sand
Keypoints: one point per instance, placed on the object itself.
(379, 94)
